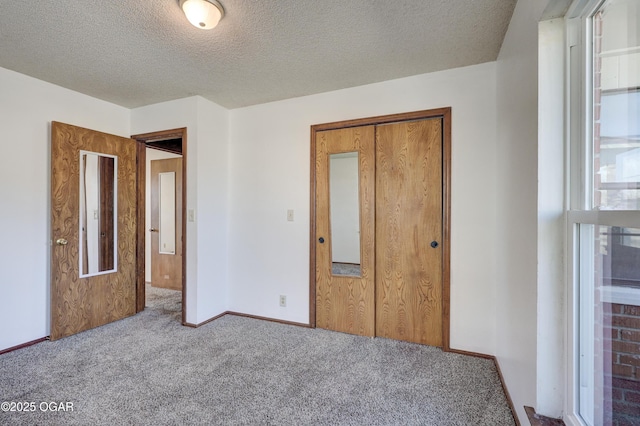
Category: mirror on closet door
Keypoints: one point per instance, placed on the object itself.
(98, 235)
(344, 203)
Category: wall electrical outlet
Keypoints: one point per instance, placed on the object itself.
(283, 300)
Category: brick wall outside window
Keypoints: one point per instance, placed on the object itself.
(622, 375)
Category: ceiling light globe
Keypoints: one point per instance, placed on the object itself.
(203, 14)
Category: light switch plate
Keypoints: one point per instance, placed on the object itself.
(290, 215)
(191, 215)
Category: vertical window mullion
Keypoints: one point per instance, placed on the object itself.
(586, 253)
(586, 147)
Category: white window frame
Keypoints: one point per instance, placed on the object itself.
(579, 177)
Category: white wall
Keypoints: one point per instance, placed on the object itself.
(152, 154)
(212, 208)
(27, 106)
(269, 173)
(206, 185)
(517, 204)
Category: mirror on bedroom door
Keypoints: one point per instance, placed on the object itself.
(344, 204)
(98, 236)
(167, 212)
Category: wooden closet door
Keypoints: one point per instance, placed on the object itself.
(408, 225)
(345, 303)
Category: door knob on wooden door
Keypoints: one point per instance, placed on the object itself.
(321, 240)
(61, 242)
(434, 244)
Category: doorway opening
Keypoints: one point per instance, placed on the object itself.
(161, 232)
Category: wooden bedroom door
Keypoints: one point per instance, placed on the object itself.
(166, 223)
(401, 197)
(93, 229)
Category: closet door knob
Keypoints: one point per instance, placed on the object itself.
(434, 244)
(321, 240)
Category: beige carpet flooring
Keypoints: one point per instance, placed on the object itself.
(150, 370)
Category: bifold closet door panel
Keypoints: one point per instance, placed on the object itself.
(409, 231)
(346, 301)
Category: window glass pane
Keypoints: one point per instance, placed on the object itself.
(610, 325)
(616, 106)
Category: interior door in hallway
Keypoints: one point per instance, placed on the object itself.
(345, 297)
(166, 223)
(409, 231)
(93, 229)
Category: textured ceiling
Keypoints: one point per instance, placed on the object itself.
(140, 52)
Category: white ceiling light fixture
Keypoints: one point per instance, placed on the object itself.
(203, 14)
